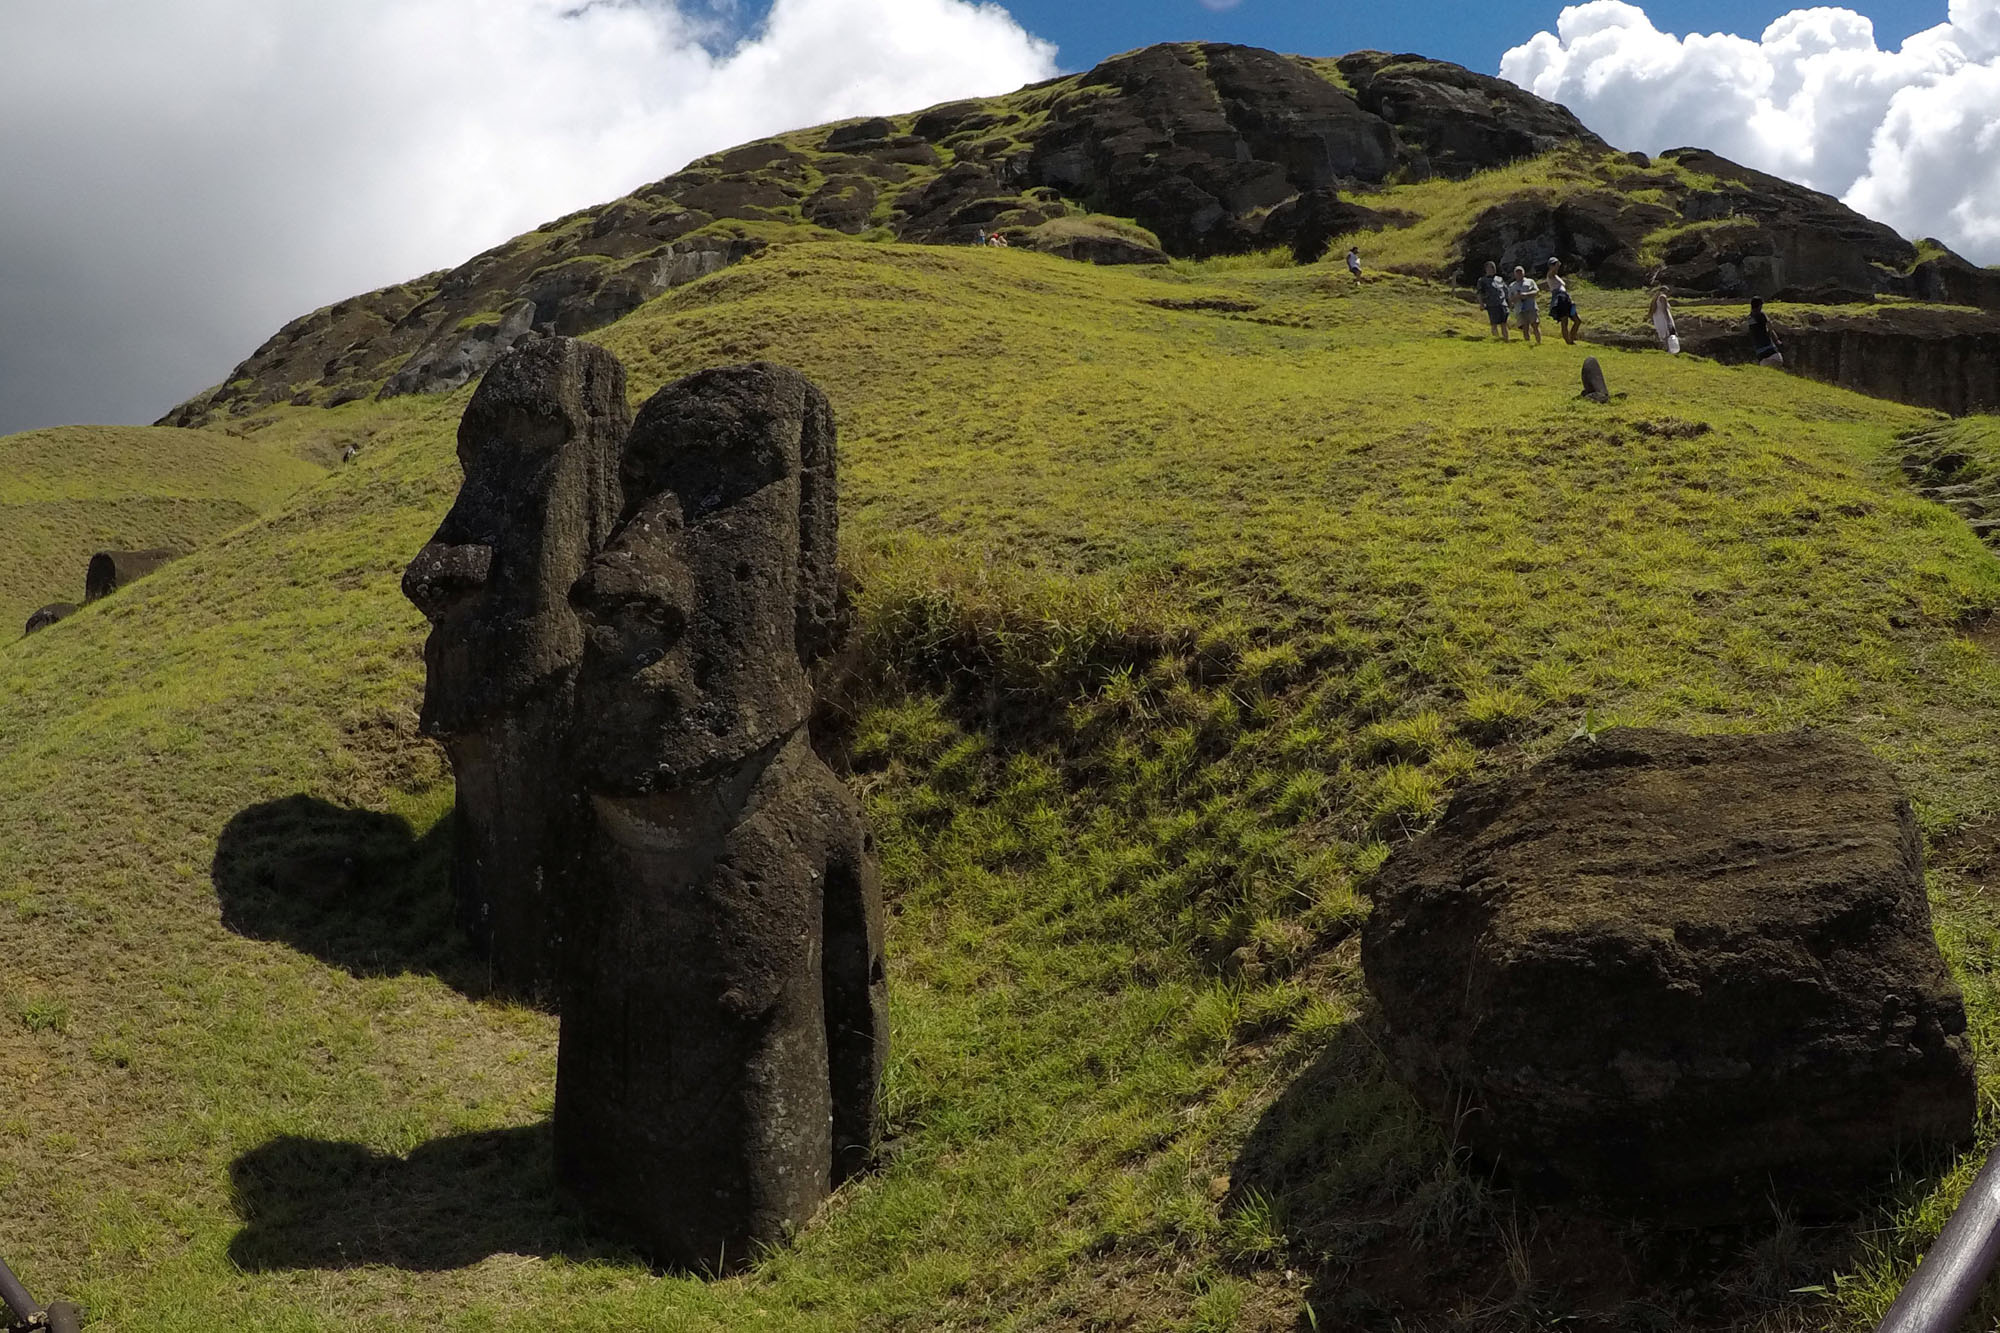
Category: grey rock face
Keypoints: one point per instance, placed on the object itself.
(539, 444)
(1685, 975)
(724, 1024)
(456, 356)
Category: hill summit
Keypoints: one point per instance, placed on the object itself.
(1178, 150)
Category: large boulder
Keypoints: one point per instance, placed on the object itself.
(1686, 976)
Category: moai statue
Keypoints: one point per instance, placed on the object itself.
(540, 447)
(723, 1006)
(1593, 382)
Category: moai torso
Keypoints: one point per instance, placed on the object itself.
(539, 444)
(724, 1023)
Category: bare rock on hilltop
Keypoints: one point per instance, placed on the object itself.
(1683, 975)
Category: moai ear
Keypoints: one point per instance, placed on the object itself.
(819, 524)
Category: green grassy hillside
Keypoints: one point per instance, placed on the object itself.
(75, 490)
(1183, 596)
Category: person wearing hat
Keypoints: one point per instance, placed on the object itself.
(1561, 306)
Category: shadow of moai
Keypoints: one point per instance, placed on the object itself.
(354, 888)
(311, 1203)
(539, 444)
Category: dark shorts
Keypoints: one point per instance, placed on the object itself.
(1562, 307)
(1496, 315)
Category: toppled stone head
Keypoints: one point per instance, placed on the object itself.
(717, 592)
(539, 444)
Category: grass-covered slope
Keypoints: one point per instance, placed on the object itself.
(1182, 597)
(69, 492)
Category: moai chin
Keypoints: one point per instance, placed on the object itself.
(539, 444)
(723, 1007)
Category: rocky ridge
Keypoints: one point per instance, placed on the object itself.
(1172, 151)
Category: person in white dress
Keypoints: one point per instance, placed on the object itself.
(1662, 316)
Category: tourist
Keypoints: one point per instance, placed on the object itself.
(1568, 321)
(1493, 295)
(1354, 263)
(1662, 316)
(1522, 292)
(1764, 342)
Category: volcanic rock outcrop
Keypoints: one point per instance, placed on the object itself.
(540, 447)
(724, 1020)
(1209, 148)
(1212, 148)
(1946, 360)
(109, 571)
(1684, 975)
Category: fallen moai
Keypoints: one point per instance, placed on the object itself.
(44, 616)
(624, 626)
(1688, 976)
(111, 570)
(539, 444)
(724, 1020)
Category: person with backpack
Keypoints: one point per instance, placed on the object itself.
(1561, 306)
(1764, 343)
(1522, 291)
(1493, 295)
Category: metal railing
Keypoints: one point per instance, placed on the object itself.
(1949, 1278)
(62, 1317)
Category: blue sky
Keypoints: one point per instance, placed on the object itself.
(1473, 35)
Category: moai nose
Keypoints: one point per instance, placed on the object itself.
(442, 576)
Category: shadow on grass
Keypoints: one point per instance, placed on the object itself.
(1397, 1230)
(309, 1203)
(354, 888)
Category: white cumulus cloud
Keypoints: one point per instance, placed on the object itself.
(182, 178)
(1910, 136)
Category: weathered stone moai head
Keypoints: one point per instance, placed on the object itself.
(724, 1018)
(709, 604)
(539, 444)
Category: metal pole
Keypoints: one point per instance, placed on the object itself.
(24, 1306)
(1950, 1277)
